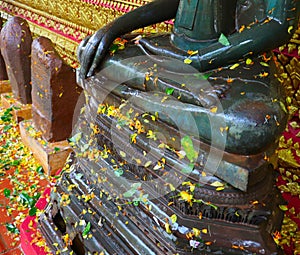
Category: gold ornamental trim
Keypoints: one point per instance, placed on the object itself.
(84, 15)
(65, 47)
(67, 22)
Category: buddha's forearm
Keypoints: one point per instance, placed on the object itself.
(152, 13)
(269, 34)
(253, 41)
(260, 38)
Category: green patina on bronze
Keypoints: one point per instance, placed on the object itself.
(198, 25)
(206, 35)
(236, 107)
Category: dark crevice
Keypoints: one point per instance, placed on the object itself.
(77, 246)
(59, 222)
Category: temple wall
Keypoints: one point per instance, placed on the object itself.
(67, 22)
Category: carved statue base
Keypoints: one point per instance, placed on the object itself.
(20, 111)
(130, 193)
(138, 230)
(5, 86)
(51, 156)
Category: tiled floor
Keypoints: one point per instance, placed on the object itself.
(10, 242)
(21, 180)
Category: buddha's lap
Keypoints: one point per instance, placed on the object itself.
(245, 100)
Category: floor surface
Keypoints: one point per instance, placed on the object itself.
(21, 183)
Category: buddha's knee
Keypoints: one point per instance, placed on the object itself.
(254, 125)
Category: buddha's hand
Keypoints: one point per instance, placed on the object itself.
(93, 49)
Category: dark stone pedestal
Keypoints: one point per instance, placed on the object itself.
(130, 229)
(15, 41)
(128, 192)
(3, 72)
(54, 92)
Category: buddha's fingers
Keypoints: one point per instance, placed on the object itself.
(99, 56)
(88, 53)
(81, 47)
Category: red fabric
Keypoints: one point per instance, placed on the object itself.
(28, 229)
(293, 201)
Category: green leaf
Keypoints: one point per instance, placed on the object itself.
(86, 229)
(283, 207)
(249, 61)
(282, 105)
(37, 196)
(34, 186)
(217, 184)
(78, 176)
(74, 139)
(7, 192)
(223, 40)
(39, 170)
(6, 146)
(8, 110)
(188, 169)
(56, 149)
(12, 228)
(15, 163)
(32, 211)
(188, 147)
(202, 76)
(122, 123)
(136, 185)
(129, 193)
(84, 147)
(134, 188)
(187, 61)
(7, 127)
(264, 64)
(14, 180)
(7, 115)
(234, 66)
(141, 200)
(169, 91)
(114, 48)
(213, 206)
(27, 200)
(119, 172)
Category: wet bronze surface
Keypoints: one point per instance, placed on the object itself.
(142, 192)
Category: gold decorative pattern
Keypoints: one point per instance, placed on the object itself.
(65, 47)
(67, 22)
(87, 14)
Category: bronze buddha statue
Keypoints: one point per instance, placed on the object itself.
(250, 95)
(251, 26)
(236, 104)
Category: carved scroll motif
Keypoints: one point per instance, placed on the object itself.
(67, 22)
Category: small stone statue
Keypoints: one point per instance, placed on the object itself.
(54, 91)
(15, 44)
(3, 73)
